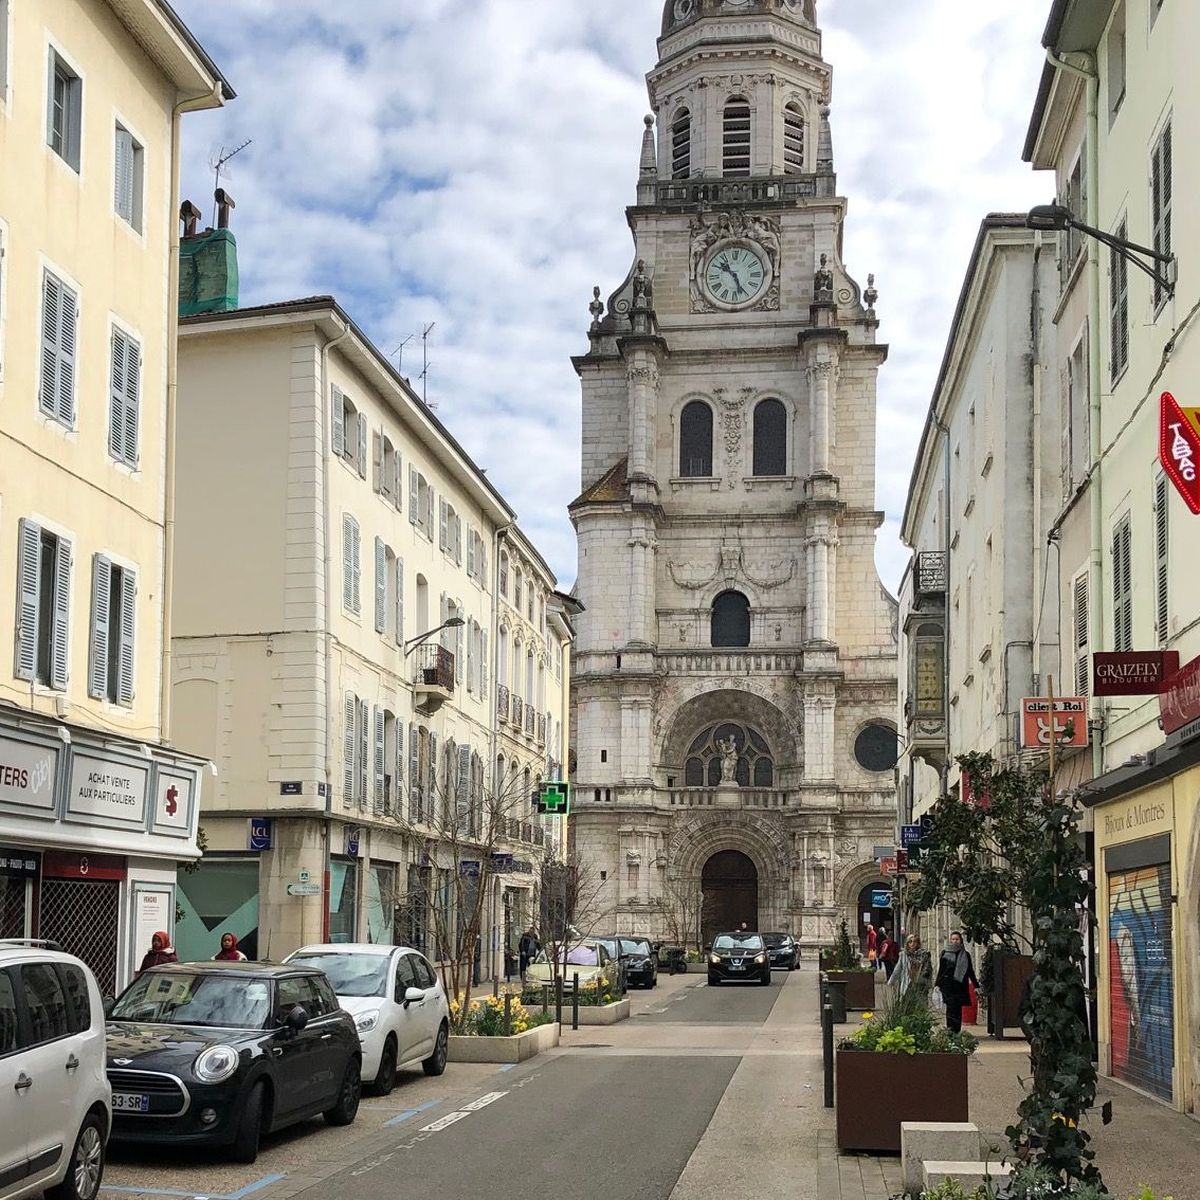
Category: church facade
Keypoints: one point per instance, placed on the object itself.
(735, 669)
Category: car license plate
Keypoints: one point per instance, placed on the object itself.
(737, 965)
(130, 1102)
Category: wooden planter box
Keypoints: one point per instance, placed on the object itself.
(860, 988)
(513, 1049)
(875, 1092)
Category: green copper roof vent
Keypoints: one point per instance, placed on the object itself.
(208, 266)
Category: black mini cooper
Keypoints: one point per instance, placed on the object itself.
(217, 1054)
(738, 956)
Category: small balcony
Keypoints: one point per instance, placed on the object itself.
(541, 729)
(530, 719)
(434, 679)
(502, 702)
(517, 711)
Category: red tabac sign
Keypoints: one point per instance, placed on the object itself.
(1179, 700)
(1179, 448)
(1132, 673)
(1066, 726)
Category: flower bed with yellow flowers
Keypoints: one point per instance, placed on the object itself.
(485, 1018)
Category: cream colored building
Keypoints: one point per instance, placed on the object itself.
(1114, 120)
(96, 811)
(327, 521)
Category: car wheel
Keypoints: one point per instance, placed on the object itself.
(435, 1064)
(385, 1079)
(350, 1093)
(765, 979)
(86, 1168)
(249, 1131)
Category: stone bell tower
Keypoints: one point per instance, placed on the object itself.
(735, 677)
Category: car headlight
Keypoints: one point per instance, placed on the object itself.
(715, 959)
(762, 958)
(216, 1064)
(365, 1022)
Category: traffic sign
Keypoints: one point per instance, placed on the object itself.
(304, 889)
(554, 799)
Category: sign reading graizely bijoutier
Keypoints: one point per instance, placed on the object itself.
(114, 791)
(1132, 673)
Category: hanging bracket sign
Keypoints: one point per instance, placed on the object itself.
(1179, 449)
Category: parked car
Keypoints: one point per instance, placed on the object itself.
(218, 1054)
(397, 1001)
(57, 1106)
(587, 957)
(738, 957)
(782, 948)
(640, 962)
(612, 946)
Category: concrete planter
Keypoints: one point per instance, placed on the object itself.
(860, 988)
(600, 1014)
(513, 1049)
(700, 968)
(877, 1092)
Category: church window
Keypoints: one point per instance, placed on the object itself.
(731, 620)
(681, 145)
(755, 765)
(770, 438)
(793, 140)
(695, 440)
(735, 161)
(876, 748)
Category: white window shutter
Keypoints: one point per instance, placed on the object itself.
(427, 515)
(1080, 614)
(471, 661)
(459, 634)
(364, 750)
(444, 636)
(98, 660)
(483, 562)
(123, 175)
(413, 495)
(68, 320)
(357, 569)
(380, 586)
(51, 307)
(464, 781)
(377, 461)
(348, 531)
(398, 769)
(116, 398)
(471, 553)
(483, 666)
(397, 481)
(362, 444)
(337, 420)
(349, 714)
(443, 524)
(414, 773)
(127, 630)
(400, 602)
(380, 761)
(29, 540)
(458, 539)
(60, 650)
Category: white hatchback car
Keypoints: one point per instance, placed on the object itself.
(397, 1002)
(54, 1093)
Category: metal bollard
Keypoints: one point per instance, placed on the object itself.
(495, 987)
(508, 1014)
(575, 1001)
(558, 999)
(827, 1051)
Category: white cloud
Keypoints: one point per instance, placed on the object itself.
(469, 161)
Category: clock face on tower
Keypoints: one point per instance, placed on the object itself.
(735, 274)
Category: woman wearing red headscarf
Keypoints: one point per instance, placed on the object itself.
(229, 951)
(161, 951)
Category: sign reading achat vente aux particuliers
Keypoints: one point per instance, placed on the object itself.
(115, 791)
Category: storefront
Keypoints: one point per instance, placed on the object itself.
(93, 830)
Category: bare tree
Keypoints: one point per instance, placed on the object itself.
(683, 912)
(572, 906)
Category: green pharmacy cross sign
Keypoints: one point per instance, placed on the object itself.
(554, 799)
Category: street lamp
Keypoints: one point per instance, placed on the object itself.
(413, 643)
(1059, 217)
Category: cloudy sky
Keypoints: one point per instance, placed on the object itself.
(468, 162)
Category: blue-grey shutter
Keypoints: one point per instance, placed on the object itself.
(98, 660)
(398, 778)
(60, 650)
(29, 542)
(414, 493)
(116, 398)
(362, 444)
(427, 515)
(133, 388)
(380, 586)
(444, 610)
(127, 630)
(350, 710)
(432, 794)
(337, 420)
(357, 576)
(348, 532)
(460, 658)
(400, 602)
(51, 307)
(364, 750)
(67, 322)
(443, 524)
(414, 769)
(377, 462)
(483, 667)
(470, 553)
(380, 761)
(123, 173)
(463, 798)
(397, 481)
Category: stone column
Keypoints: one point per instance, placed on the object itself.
(818, 739)
(642, 376)
(821, 374)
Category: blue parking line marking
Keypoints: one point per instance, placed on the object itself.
(257, 1185)
(508, 1066)
(398, 1119)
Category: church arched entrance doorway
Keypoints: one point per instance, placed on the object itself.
(881, 913)
(729, 883)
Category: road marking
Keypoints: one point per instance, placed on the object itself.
(509, 1067)
(446, 1121)
(249, 1189)
(483, 1101)
(257, 1185)
(409, 1113)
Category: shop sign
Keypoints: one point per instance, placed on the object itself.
(1066, 726)
(70, 864)
(27, 774)
(469, 868)
(881, 898)
(353, 838)
(502, 863)
(258, 833)
(173, 802)
(888, 866)
(1179, 448)
(909, 834)
(1132, 673)
(16, 863)
(153, 909)
(932, 572)
(1179, 700)
(107, 790)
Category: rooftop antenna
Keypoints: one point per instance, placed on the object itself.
(399, 350)
(425, 364)
(218, 161)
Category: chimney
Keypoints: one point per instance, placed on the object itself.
(208, 266)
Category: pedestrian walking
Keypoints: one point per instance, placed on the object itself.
(527, 948)
(229, 951)
(888, 951)
(914, 968)
(956, 973)
(161, 951)
(872, 947)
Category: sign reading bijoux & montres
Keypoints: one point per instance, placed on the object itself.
(27, 774)
(108, 790)
(1132, 673)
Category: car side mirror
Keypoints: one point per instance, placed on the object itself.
(108, 1003)
(413, 995)
(296, 1019)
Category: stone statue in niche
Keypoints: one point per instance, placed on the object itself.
(729, 755)
(823, 281)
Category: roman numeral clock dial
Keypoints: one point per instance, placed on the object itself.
(735, 276)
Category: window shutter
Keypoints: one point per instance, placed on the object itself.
(1161, 543)
(133, 389)
(400, 602)
(1080, 614)
(399, 767)
(443, 525)
(380, 762)
(337, 420)
(350, 712)
(356, 578)
(444, 610)
(116, 398)
(482, 565)
(471, 553)
(483, 666)
(68, 320)
(348, 562)
(459, 633)
(128, 616)
(397, 481)
(98, 662)
(377, 462)
(471, 659)
(380, 586)
(414, 511)
(458, 540)
(361, 420)
(414, 773)
(51, 307)
(29, 538)
(364, 750)
(60, 650)
(464, 782)
(123, 172)
(427, 515)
